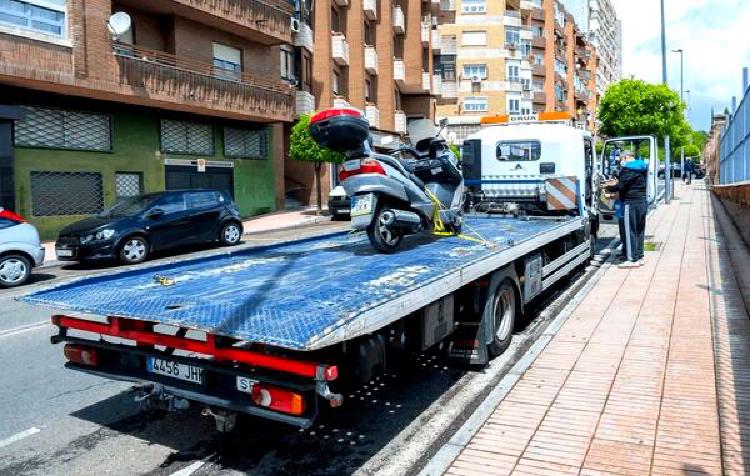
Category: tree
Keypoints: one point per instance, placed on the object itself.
(303, 147)
(692, 150)
(635, 107)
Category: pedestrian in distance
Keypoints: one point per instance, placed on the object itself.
(688, 175)
(632, 189)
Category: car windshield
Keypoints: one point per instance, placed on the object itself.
(130, 206)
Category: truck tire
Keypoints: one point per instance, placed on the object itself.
(382, 239)
(504, 310)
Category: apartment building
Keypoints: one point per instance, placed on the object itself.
(711, 153)
(605, 33)
(190, 95)
(511, 57)
(374, 55)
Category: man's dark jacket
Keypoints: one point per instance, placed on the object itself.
(632, 184)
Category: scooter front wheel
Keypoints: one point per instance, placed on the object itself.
(382, 237)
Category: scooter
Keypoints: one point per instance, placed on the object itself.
(393, 197)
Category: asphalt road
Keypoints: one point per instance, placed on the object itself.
(55, 421)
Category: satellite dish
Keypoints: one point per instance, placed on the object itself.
(119, 23)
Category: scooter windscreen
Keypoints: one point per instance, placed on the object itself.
(421, 130)
(341, 130)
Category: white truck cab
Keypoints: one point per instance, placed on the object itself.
(539, 165)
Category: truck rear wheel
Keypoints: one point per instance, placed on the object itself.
(504, 311)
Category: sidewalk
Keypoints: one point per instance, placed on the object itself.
(650, 374)
(272, 221)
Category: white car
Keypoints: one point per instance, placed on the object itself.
(20, 249)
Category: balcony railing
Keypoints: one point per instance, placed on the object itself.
(449, 89)
(305, 102)
(448, 5)
(371, 9)
(304, 37)
(437, 84)
(399, 122)
(372, 113)
(268, 17)
(426, 81)
(399, 22)
(399, 71)
(371, 59)
(340, 101)
(340, 49)
(165, 77)
(425, 33)
(436, 43)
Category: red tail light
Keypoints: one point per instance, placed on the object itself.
(81, 355)
(9, 215)
(329, 113)
(366, 166)
(278, 399)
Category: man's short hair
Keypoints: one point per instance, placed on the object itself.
(627, 154)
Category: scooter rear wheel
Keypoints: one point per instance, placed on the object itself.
(383, 238)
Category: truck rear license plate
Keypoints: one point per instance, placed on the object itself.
(188, 373)
(362, 205)
(245, 384)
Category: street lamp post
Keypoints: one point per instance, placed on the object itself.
(682, 149)
(667, 165)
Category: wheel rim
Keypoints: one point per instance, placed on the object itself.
(12, 270)
(231, 233)
(504, 309)
(388, 236)
(134, 250)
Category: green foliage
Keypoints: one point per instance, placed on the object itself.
(634, 107)
(692, 150)
(303, 147)
(455, 149)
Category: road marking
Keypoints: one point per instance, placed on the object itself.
(22, 329)
(188, 470)
(19, 436)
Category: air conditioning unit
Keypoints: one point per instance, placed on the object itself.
(475, 78)
(295, 24)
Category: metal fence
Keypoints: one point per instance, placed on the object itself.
(735, 146)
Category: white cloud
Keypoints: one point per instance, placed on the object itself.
(713, 35)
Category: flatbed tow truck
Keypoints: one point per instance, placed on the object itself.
(279, 331)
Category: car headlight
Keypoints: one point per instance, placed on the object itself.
(104, 234)
(86, 238)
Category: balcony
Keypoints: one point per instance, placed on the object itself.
(340, 49)
(265, 21)
(155, 76)
(437, 84)
(539, 42)
(436, 43)
(426, 28)
(342, 3)
(372, 113)
(540, 97)
(449, 89)
(448, 5)
(399, 122)
(305, 103)
(448, 45)
(399, 71)
(537, 14)
(538, 70)
(399, 22)
(371, 59)
(371, 9)
(426, 81)
(304, 37)
(340, 101)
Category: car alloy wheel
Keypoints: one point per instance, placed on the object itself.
(14, 270)
(134, 250)
(230, 234)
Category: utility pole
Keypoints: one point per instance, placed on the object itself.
(682, 149)
(667, 164)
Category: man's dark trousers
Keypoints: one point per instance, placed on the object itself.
(635, 228)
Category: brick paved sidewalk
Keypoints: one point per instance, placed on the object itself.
(649, 375)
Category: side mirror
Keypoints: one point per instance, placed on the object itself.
(154, 213)
(443, 122)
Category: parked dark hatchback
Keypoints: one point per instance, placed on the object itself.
(137, 226)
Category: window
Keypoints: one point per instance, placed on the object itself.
(201, 199)
(475, 70)
(336, 83)
(447, 67)
(128, 184)
(514, 106)
(368, 90)
(171, 203)
(46, 17)
(245, 143)
(474, 6)
(538, 85)
(183, 137)
(525, 110)
(514, 73)
(369, 33)
(335, 20)
(287, 64)
(227, 61)
(474, 38)
(475, 104)
(61, 129)
(537, 31)
(66, 193)
(512, 35)
(526, 82)
(519, 150)
(6, 223)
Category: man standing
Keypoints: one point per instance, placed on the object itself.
(632, 187)
(688, 174)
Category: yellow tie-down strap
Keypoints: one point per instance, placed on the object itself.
(439, 228)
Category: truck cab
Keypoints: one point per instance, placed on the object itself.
(531, 165)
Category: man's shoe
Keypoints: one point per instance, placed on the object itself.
(640, 262)
(628, 265)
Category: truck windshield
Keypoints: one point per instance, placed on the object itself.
(519, 150)
(130, 206)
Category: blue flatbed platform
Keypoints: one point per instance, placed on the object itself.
(307, 294)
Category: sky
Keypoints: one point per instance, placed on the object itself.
(714, 36)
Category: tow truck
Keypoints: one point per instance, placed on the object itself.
(281, 331)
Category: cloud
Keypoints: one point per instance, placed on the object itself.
(711, 33)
